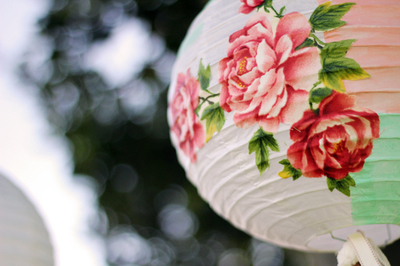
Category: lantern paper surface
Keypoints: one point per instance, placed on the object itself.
(24, 239)
(286, 116)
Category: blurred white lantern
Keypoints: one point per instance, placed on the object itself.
(268, 90)
(24, 239)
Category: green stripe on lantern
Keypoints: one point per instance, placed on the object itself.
(376, 198)
(191, 38)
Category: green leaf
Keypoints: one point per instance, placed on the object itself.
(318, 94)
(215, 119)
(289, 170)
(261, 143)
(336, 67)
(197, 110)
(331, 183)
(297, 174)
(336, 49)
(335, 70)
(265, 8)
(284, 162)
(204, 76)
(342, 185)
(268, 3)
(307, 43)
(281, 11)
(327, 17)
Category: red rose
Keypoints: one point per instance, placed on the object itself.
(186, 125)
(334, 142)
(264, 79)
(249, 5)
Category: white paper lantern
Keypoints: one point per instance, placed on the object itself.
(24, 239)
(327, 93)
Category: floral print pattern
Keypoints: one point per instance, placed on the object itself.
(186, 125)
(264, 79)
(334, 142)
(249, 5)
(277, 70)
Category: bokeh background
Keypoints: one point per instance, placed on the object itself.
(92, 79)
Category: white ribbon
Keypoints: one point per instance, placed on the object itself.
(367, 252)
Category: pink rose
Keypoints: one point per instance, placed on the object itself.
(249, 5)
(186, 125)
(263, 78)
(334, 142)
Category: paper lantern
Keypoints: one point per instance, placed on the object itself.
(24, 239)
(286, 116)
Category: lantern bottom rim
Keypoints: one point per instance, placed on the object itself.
(332, 241)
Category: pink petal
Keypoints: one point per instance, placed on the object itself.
(239, 65)
(327, 122)
(297, 103)
(336, 102)
(296, 26)
(309, 167)
(300, 129)
(295, 154)
(272, 94)
(241, 106)
(223, 70)
(245, 120)
(193, 86)
(250, 105)
(237, 34)
(283, 49)
(185, 147)
(252, 32)
(374, 121)
(176, 129)
(236, 87)
(176, 106)
(265, 57)
(266, 82)
(245, 9)
(224, 97)
(241, 43)
(253, 2)
(302, 67)
(259, 18)
(359, 133)
(251, 76)
(181, 80)
(268, 124)
(336, 134)
(317, 149)
(261, 33)
(280, 103)
(252, 90)
(250, 41)
(199, 134)
(337, 173)
(362, 128)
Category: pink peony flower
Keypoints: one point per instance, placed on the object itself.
(264, 79)
(186, 125)
(249, 5)
(334, 142)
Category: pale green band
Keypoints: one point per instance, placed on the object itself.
(376, 198)
(191, 38)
